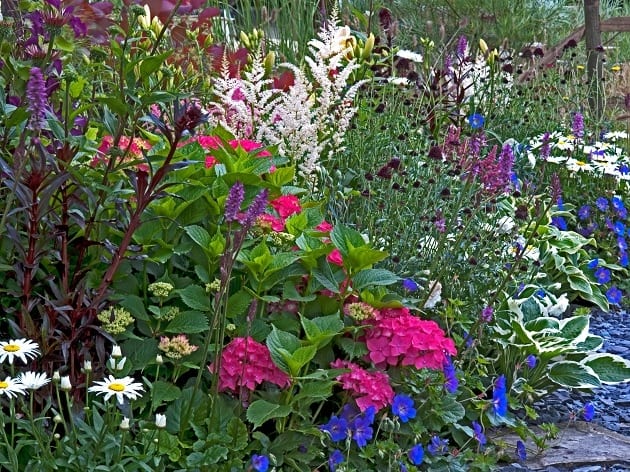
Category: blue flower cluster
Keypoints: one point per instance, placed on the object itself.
(351, 423)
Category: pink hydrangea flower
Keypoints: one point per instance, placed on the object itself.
(335, 257)
(286, 205)
(246, 363)
(269, 221)
(397, 337)
(368, 388)
(324, 227)
(133, 147)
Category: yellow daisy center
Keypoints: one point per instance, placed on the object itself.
(4, 384)
(11, 348)
(580, 163)
(116, 387)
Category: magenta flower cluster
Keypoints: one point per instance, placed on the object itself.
(397, 337)
(246, 363)
(368, 388)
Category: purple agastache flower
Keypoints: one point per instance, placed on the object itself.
(416, 454)
(601, 203)
(403, 407)
(531, 361)
(589, 411)
(556, 190)
(362, 430)
(335, 459)
(478, 433)
(602, 275)
(578, 125)
(37, 99)
(451, 383)
(256, 208)
(487, 314)
(437, 446)
(337, 428)
(410, 285)
(477, 142)
(584, 212)
(499, 397)
(521, 452)
(234, 200)
(462, 45)
(614, 295)
(260, 463)
(545, 149)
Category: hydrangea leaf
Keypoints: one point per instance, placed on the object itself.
(261, 411)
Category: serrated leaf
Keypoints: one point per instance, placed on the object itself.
(135, 305)
(199, 235)
(371, 277)
(610, 369)
(188, 322)
(281, 344)
(354, 349)
(570, 374)
(326, 281)
(299, 358)
(195, 297)
(162, 391)
(261, 411)
(238, 432)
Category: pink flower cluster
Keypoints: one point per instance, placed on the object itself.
(131, 147)
(285, 206)
(213, 142)
(397, 337)
(246, 363)
(369, 388)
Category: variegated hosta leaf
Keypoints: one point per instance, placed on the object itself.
(610, 368)
(570, 374)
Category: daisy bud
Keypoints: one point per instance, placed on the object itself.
(57, 419)
(66, 386)
(87, 366)
(121, 363)
(124, 424)
(116, 351)
(160, 421)
(159, 360)
(57, 436)
(56, 377)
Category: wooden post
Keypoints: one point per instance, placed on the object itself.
(594, 64)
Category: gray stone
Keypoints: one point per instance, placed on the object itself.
(590, 468)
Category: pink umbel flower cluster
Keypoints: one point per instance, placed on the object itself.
(246, 363)
(397, 337)
(368, 388)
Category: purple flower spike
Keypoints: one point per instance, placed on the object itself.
(37, 99)
(234, 200)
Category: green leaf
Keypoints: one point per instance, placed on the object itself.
(363, 257)
(162, 391)
(371, 277)
(152, 63)
(262, 410)
(188, 322)
(575, 328)
(199, 235)
(299, 358)
(195, 297)
(327, 280)
(281, 344)
(289, 292)
(580, 283)
(570, 374)
(354, 349)
(591, 343)
(345, 238)
(319, 331)
(238, 303)
(315, 390)
(238, 431)
(135, 305)
(610, 369)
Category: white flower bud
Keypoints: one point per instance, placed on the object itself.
(160, 421)
(159, 360)
(116, 351)
(56, 377)
(66, 386)
(124, 424)
(87, 366)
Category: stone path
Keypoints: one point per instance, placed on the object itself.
(600, 446)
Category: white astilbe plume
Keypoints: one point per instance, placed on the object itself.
(307, 122)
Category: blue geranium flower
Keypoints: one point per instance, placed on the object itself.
(410, 285)
(584, 212)
(623, 259)
(362, 430)
(337, 428)
(416, 454)
(614, 295)
(450, 376)
(476, 121)
(589, 411)
(601, 203)
(619, 228)
(499, 396)
(559, 222)
(402, 406)
(260, 463)
(594, 263)
(335, 459)
(521, 452)
(437, 446)
(531, 361)
(602, 275)
(478, 433)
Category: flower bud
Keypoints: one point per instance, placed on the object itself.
(159, 360)
(87, 366)
(160, 421)
(116, 351)
(57, 419)
(124, 424)
(66, 386)
(56, 376)
(483, 46)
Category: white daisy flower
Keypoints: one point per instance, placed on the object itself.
(23, 348)
(11, 387)
(615, 135)
(410, 55)
(33, 380)
(575, 165)
(122, 388)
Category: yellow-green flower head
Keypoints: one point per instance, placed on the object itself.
(176, 347)
(160, 289)
(213, 286)
(359, 311)
(170, 313)
(115, 320)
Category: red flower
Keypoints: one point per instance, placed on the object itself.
(286, 205)
(335, 257)
(369, 388)
(324, 227)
